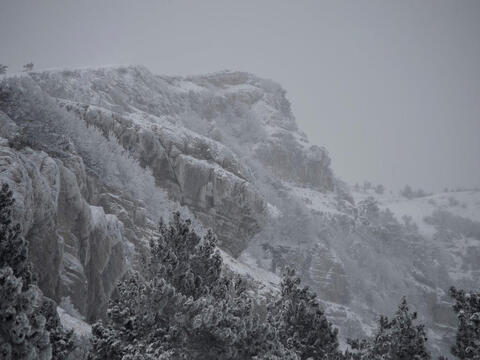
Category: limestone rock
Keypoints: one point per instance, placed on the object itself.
(77, 250)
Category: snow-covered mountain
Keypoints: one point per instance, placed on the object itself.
(97, 156)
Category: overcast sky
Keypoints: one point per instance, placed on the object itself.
(390, 88)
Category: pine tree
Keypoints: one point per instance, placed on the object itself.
(180, 256)
(22, 332)
(301, 323)
(182, 306)
(407, 192)
(396, 339)
(13, 247)
(379, 189)
(3, 69)
(62, 340)
(467, 308)
(369, 210)
(28, 67)
(14, 257)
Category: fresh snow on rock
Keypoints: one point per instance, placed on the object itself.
(80, 327)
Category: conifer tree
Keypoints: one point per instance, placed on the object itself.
(22, 330)
(13, 247)
(467, 308)
(61, 339)
(396, 339)
(301, 323)
(407, 192)
(3, 69)
(180, 256)
(28, 67)
(183, 307)
(42, 320)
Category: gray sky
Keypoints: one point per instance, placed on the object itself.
(390, 88)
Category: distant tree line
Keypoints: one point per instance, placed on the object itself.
(26, 68)
(367, 185)
(409, 193)
(379, 189)
(460, 189)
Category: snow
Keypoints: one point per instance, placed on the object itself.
(187, 86)
(320, 202)
(246, 265)
(241, 88)
(273, 211)
(463, 203)
(80, 327)
(98, 216)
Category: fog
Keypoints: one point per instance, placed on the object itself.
(391, 89)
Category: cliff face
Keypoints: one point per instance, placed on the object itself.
(97, 156)
(198, 136)
(77, 249)
(210, 117)
(195, 171)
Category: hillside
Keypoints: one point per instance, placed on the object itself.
(97, 156)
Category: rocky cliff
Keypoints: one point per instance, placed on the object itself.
(78, 145)
(97, 156)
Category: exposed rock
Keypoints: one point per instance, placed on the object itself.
(77, 250)
(291, 162)
(197, 172)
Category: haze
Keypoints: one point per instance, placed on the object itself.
(390, 88)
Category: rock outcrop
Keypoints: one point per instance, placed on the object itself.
(77, 249)
(196, 171)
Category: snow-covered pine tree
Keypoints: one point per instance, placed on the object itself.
(28, 67)
(140, 322)
(396, 339)
(22, 331)
(3, 69)
(14, 255)
(467, 308)
(183, 307)
(61, 339)
(179, 255)
(379, 189)
(407, 192)
(13, 247)
(301, 323)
